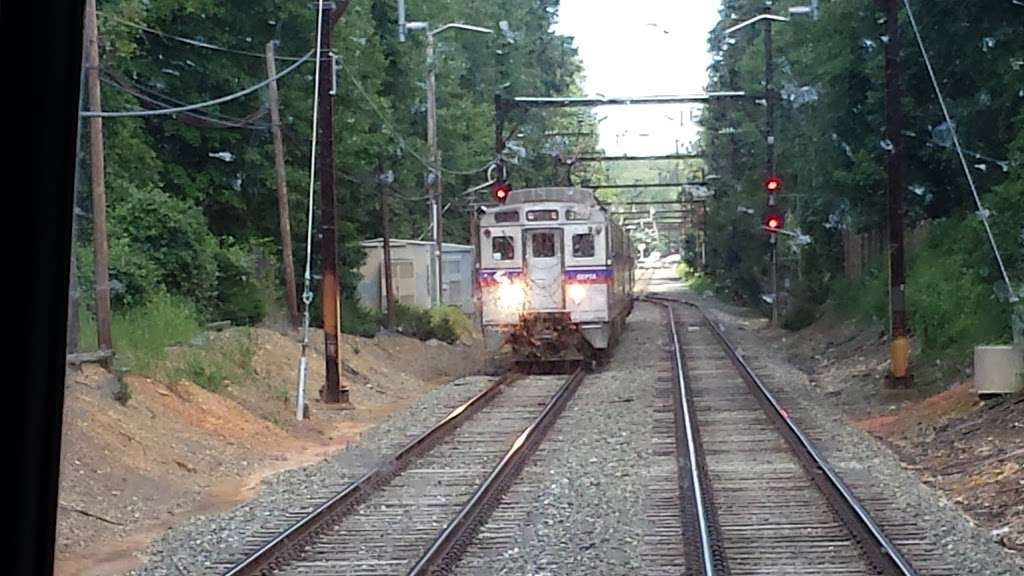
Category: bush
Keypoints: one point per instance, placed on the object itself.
(800, 316)
(953, 292)
(246, 281)
(444, 323)
(359, 320)
(159, 243)
(448, 323)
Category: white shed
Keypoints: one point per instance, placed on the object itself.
(413, 272)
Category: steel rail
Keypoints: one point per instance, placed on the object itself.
(698, 491)
(888, 555)
(452, 540)
(270, 553)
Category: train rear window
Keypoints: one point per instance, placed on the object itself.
(507, 216)
(542, 215)
(503, 248)
(582, 245)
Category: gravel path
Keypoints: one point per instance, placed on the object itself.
(580, 504)
(207, 544)
(950, 543)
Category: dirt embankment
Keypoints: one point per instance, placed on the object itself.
(970, 450)
(174, 450)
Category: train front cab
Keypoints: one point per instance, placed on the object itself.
(550, 282)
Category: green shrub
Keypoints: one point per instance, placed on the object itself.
(450, 323)
(701, 283)
(799, 316)
(161, 243)
(246, 281)
(359, 320)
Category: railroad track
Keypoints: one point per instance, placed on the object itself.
(758, 496)
(417, 512)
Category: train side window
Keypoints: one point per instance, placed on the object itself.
(582, 245)
(543, 245)
(503, 248)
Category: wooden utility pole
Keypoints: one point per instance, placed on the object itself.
(435, 173)
(389, 292)
(332, 392)
(899, 345)
(282, 191)
(104, 339)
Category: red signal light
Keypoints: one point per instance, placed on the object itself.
(501, 191)
(772, 184)
(773, 222)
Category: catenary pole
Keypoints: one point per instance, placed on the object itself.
(899, 345)
(284, 223)
(332, 392)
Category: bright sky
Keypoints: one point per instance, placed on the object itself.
(642, 48)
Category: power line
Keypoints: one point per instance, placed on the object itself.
(390, 130)
(187, 108)
(213, 119)
(191, 42)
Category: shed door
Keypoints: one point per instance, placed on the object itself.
(544, 269)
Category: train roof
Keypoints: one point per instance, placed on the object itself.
(571, 195)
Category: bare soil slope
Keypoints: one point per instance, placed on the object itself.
(129, 472)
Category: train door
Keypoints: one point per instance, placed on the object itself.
(543, 269)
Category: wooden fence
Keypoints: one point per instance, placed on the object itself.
(859, 249)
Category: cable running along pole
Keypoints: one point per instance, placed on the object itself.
(307, 293)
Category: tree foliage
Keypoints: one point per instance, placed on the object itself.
(191, 197)
(831, 148)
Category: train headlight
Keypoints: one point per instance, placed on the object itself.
(576, 292)
(511, 295)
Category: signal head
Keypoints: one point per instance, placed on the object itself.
(773, 184)
(500, 192)
(772, 222)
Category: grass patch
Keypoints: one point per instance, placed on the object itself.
(219, 358)
(143, 334)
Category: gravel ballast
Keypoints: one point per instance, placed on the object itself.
(207, 544)
(578, 506)
(953, 544)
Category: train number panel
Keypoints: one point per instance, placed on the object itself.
(555, 275)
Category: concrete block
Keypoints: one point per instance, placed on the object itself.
(999, 369)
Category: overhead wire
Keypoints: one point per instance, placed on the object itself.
(200, 105)
(982, 213)
(212, 118)
(397, 137)
(192, 42)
